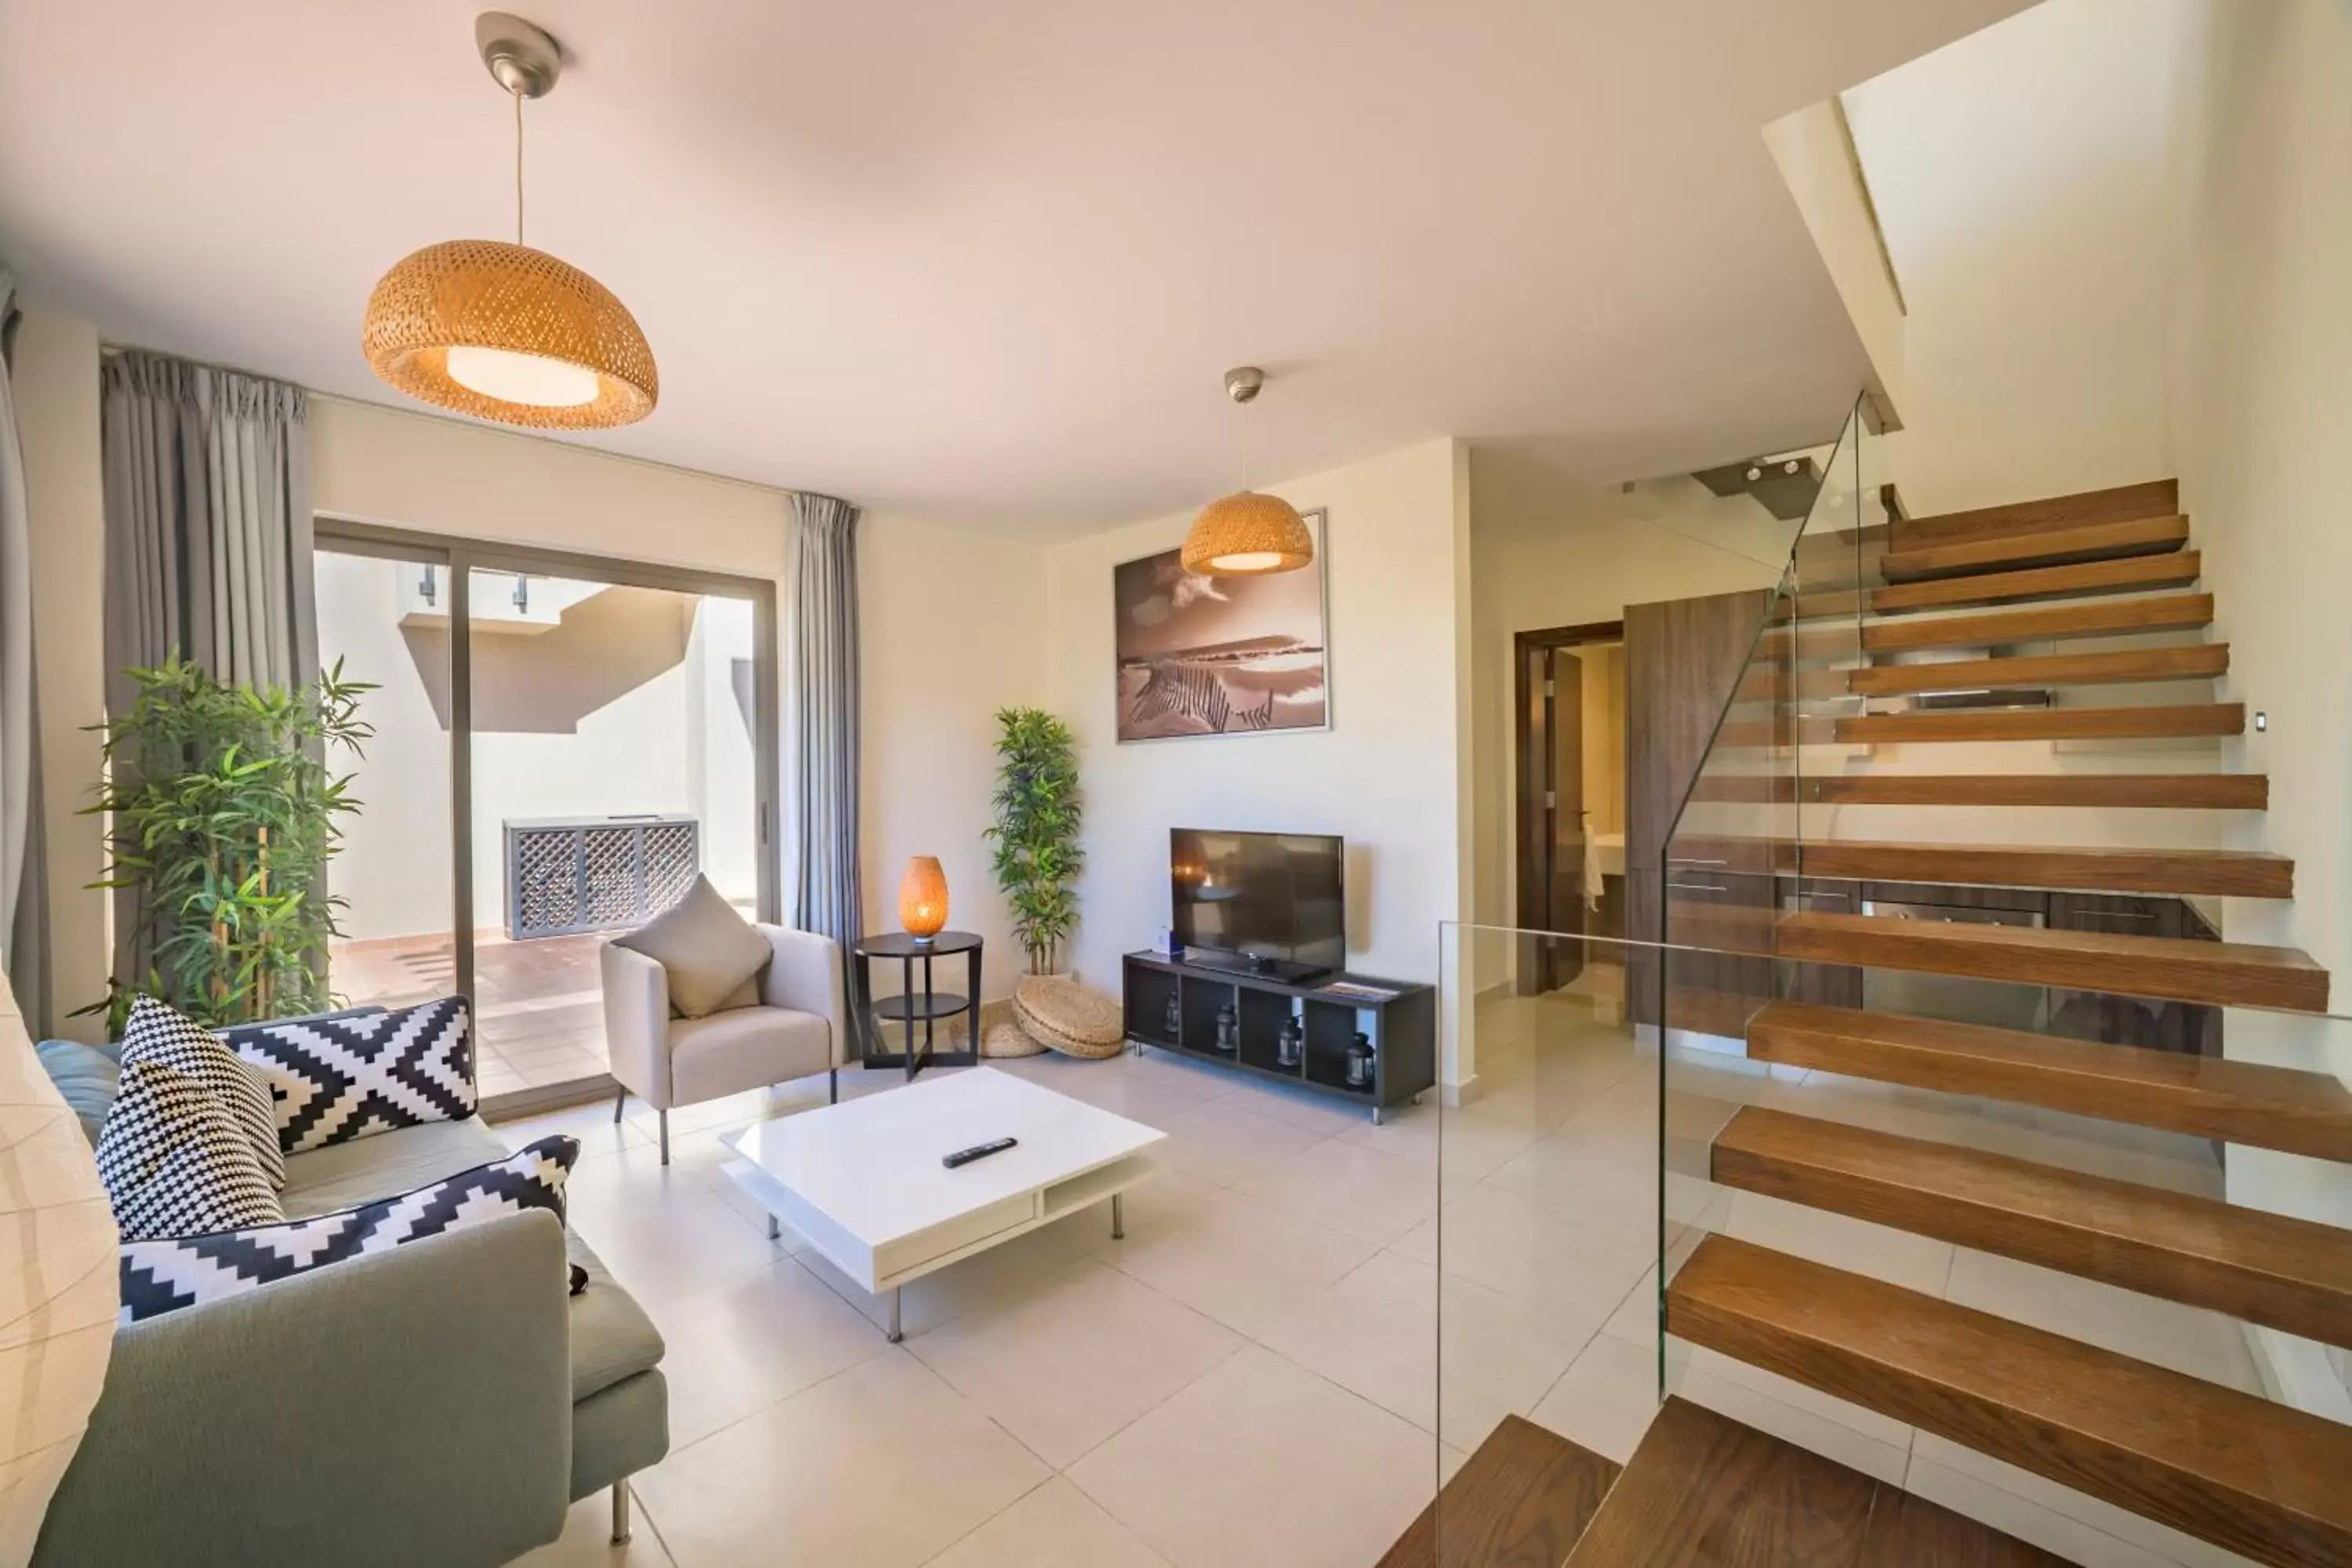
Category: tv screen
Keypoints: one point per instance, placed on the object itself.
(1272, 895)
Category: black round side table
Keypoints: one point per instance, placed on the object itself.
(914, 1003)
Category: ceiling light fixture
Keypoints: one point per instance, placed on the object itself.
(1247, 535)
(503, 331)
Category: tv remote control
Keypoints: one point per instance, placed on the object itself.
(977, 1151)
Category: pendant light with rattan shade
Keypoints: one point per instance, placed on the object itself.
(503, 331)
(1247, 535)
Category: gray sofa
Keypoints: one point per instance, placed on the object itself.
(443, 1403)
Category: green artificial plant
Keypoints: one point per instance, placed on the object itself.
(1036, 830)
(223, 808)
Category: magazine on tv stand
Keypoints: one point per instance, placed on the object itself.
(1356, 991)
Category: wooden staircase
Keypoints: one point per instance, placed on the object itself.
(2007, 600)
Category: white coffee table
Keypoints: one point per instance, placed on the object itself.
(862, 1180)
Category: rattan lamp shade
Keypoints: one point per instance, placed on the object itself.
(488, 294)
(1247, 535)
(923, 897)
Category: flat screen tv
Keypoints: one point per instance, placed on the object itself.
(1270, 902)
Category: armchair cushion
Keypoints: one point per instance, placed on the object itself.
(749, 1047)
(704, 947)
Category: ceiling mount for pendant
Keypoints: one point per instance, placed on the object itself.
(522, 58)
(1247, 535)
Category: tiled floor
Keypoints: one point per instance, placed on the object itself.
(539, 1015)
(1251, 1375)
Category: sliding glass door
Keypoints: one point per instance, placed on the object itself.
(604, 731)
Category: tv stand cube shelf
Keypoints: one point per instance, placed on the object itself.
(1402, 1027)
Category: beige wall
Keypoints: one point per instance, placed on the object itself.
(56, 388)
(2263, 410)
(1385, 776)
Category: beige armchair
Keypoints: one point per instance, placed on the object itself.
(801, 1027)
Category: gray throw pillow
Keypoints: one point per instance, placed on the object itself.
(708, 949)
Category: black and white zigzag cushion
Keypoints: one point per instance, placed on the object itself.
(159, 1277)
(190, 1143)
(337, 1078)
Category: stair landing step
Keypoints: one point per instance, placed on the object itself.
(2107, 667)
(2255, 1478)
(2044, 547)
(2197, 791)
(2205, 1097)
(2130, 573)
(2121, 503)
(2186, 721)
(2287, 1274)
(1524, 1496)
(2040, 623)
(2217, 873)
(2227, 975)
(1703, 1490)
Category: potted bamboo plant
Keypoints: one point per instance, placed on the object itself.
(1035, 833)
(224, 808)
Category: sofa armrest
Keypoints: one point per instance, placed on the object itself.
(806, 976)
(636, 1022)
(410, 1406)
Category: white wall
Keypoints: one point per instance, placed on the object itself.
(2263, 410)
(55, 384)
(2023, 177)
(1385, 775)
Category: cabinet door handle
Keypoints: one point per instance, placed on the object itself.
(1697, 887)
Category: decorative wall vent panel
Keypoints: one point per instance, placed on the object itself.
(567, 874)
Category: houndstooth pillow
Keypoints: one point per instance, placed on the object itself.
(160, 1277)
(190, 1143)
(337, 1078)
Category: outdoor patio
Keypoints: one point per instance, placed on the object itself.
(538, 1015)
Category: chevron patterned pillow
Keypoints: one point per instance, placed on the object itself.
(187, 1144)
(339, 1078)
(160, 1277)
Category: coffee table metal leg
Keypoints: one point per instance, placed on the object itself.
(1118, 1216)
(775, 1229)
(895, 1335)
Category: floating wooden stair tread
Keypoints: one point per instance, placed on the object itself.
(2289, 1274)
(2201, 792)
(2256, 1478)
(2125, 503)
(1703, 1490)
(2206, 1097)
(2192, 661)
(2040, 623)
(2227, 975)
(2131, 574)
(2043, 547)
(1521, 1500)
(2221, 873)
(2125, 723)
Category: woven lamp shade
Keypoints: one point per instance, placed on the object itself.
(488, 294)
(1247, 535)
(923, 897)
(59, 1292)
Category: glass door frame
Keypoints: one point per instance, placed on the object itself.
(339, 535)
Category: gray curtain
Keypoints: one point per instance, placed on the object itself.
(207, 478)
(825, 894)
(24, 889)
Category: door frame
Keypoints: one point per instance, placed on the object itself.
(341, 535)
(1531, 901)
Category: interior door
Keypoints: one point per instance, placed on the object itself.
(1564, 813)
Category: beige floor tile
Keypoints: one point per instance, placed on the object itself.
(1075, 1357)
(1359, 1188)
(1243, 1262)
(1466, 1145)
(2190, 1340)
(591, 1123)
(1227, 1144)
(1606, 1399)
(884, 1466)
(1262, 1462)
(1002, 1272)
(1883, 1430)
(1899, 1257)
(1571, 1260)
(757, 1339)
(1383, 1332)
(587, 1541)
(1057, 1526)
(1299, 1107)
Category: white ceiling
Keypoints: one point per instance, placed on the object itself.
(987, 262)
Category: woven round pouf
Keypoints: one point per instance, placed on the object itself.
(1069, 1019)
(1009, 1040)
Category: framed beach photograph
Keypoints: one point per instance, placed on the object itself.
(1220, 656)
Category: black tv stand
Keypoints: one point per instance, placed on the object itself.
(1401, 1026)
(1287, 970)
